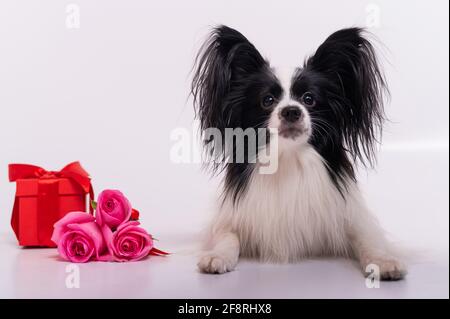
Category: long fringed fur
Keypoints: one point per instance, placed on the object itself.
(223, 70)
(354, 82)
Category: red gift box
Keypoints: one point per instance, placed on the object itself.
(43, 197)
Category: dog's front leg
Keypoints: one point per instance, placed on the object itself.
(374, 253)
(224, 255)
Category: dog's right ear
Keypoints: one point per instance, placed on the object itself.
(225, 58)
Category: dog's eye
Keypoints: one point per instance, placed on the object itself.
(268, 101)
(308, 99)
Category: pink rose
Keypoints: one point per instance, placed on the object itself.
(79, 238)
(129, 242)
(113, 209)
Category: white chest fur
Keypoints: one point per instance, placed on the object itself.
(294, 213)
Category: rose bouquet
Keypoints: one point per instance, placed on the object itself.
(113, 234)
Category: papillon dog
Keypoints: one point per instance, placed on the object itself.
(326, 117)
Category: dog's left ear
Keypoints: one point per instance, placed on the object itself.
(224, 62)
(226, 57)
(348, 62)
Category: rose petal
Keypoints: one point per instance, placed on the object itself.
(132, 223)
(93, 232)
(136, 236)
(119, 213)
(70, 218)
(108, 236)
(66, 243)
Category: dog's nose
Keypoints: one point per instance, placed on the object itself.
(291, 113)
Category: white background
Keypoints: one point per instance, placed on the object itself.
(111, 92)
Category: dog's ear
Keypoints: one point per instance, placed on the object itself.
(225, 58)
(356, 91)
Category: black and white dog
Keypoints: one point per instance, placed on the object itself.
(327, 116)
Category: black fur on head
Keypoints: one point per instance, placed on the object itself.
(351, 88)
(231, 78)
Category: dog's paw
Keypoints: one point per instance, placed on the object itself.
(215, 264)
(389, 268)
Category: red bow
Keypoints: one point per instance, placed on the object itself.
(73, 171)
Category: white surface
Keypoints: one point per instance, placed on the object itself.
(421, 197)
(110, 93)
(31, 273)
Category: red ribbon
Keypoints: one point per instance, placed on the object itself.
(156, 252)
(134, 214)
(47, 192)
